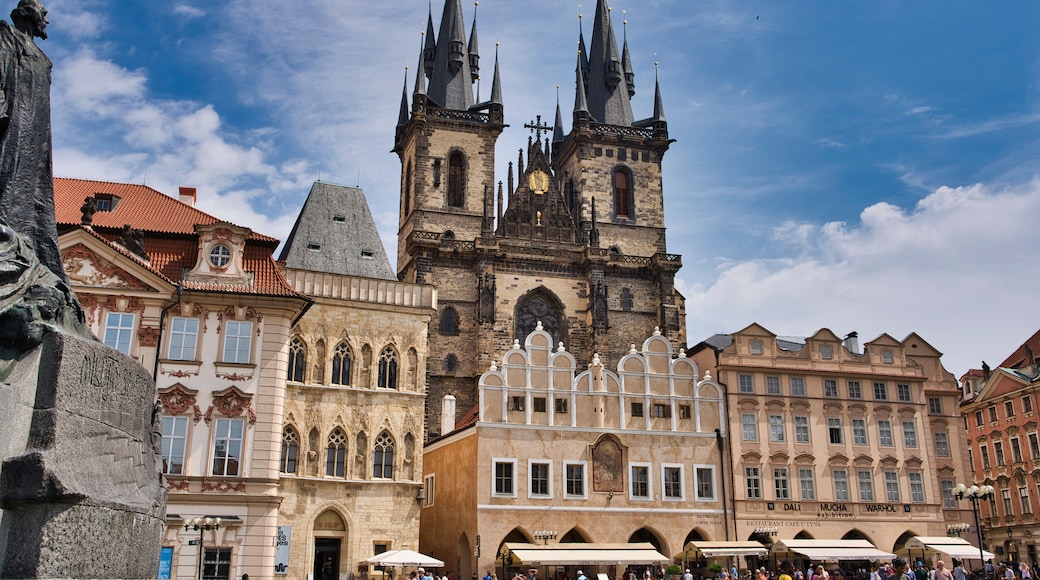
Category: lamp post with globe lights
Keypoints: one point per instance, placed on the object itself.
(975, 494)
(200, 525)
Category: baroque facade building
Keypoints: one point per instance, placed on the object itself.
(575, 241)
(1000, 411)
(200, 303)
(351, 446)
(831, 441)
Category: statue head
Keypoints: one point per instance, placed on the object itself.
(31, 18)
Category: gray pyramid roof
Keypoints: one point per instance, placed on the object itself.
(335, 233)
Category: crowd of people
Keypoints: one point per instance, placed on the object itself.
(898, 569)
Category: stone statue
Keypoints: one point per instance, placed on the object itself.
(79, 434)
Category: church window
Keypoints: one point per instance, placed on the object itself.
(406, 207)
(626, 299)
(449, 321)
(451, 363)
(387, 369)
(456, 180)
(448, 235)
(568, 191)
(290, 450)
(297, 360)
(341, 363)
(384, 457)
(336, 454)
(623, 200)
(539, 306)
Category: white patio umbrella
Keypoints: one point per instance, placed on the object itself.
(404, 558)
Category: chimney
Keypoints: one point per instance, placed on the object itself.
(447, 414)
(852, 342)
(188, 195)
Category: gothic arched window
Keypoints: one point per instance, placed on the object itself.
(451, 363)
(456, 180)
(626, 299)
(450, 321)
(623, 200)
(336, 454)
(406, 205)
(341, 363)
(387, 369)
(297, 360)
(383, 466)
(539, 306)
(290, 450)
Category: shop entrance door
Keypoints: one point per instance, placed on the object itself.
(326, 558)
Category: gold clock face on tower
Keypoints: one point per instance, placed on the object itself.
(538, 180)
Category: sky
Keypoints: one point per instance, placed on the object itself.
(869, 166)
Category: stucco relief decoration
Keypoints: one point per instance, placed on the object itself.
(607, 466)
(232, 403)
(90, 305)
(190, 310)
(82, 266)
(223, 486)
(179, 374)
(177, 484)
(234, 377)
(148, 335)
(125, 304)
(240, 312)
(177, 400)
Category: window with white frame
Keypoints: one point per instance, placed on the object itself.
(773, 385)
(984, 454)
(1034, 446)
(1027, 404)
(830, 388)
(574, 486)
(903, 393)
(1016, 450)
(640, 480)
(119, 331)
(776, 428)
(797, 386)
(806, 483)
(672, 482)
(916, 479)
(978, 419)
(238, 341)
(855, 390)
(184, 336)
(540, 476)
(704, 482)
(504, 482)
(946, 488)
(747, 383)
(992, 410)
(880, 391)
(865, 482)
(1023, 498)
(749, 426)
(174, 442)
(429, 490)
(892, 487)
(834, 431)
(935, 406)
(801, 429)
(1005, 496)
(998, 452)
(884, 428)
(753, 482)
(841, 484)
(1009, 409)
(859, 431)
(781, 486)
(227, 446)
(909, 434)
(942, 444)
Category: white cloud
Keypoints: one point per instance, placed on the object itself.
(950, 268)
(189, 11)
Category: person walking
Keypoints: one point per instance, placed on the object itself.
(941, 572)
(899, 570)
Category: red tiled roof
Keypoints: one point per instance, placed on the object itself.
(1020, 357)
(169, 234)
(147, 209)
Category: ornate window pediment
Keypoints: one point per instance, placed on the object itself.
(231, 403)
(180, 400)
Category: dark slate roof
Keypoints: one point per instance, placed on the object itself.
(451, 83)
(608, 98)
(335, 233)
(719, 341)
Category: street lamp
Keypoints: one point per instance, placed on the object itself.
(957, 529)
(200, 525)
(975, 494)
(545, 535)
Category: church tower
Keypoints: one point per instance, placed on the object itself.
(572, 242)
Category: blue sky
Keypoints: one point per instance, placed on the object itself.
(870, 166)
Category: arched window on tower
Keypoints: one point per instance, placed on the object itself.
(336, 454)
(297, 360)
(406, 206)
(387, 369)
(383, 463)
(623, 200)
(456, 180)
(290, 450)
(341, 364)
(450, 321)
(451, 363)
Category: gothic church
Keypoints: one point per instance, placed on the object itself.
(573, 240)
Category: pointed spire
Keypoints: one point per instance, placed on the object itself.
(402, 117)
(420, 75)
(581, 104)
(558, 124)
(451, 85)
(583, 53)
(608, 98)
(474, 52)
(658, 103)
(626, 63)
(496, 82)
(429, 50)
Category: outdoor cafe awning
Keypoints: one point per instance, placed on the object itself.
(832, 550)
(584, 554)
(954, 547)
(718, 549)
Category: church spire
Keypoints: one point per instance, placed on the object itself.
(608, 98)
(402, 116)
(451, 85)
(581, 105)
(474, 52)
(496, 82)
(583, 53)
(558, 124)
(626, 63)
(429, 50)
(658, 103)
(420, 75)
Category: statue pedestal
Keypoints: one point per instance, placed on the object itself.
(80, 490)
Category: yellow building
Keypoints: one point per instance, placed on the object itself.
(559, 457)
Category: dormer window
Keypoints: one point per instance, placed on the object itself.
(105, 201)
(219, 256)
(367, 254)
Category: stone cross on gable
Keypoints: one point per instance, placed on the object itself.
(537, 127)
